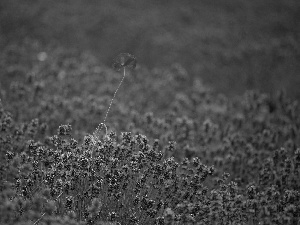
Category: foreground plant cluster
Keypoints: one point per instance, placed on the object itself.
(176, 152)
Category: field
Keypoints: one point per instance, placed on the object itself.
(180, 148)
(232, 45)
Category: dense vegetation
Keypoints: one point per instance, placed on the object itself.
(176, 151)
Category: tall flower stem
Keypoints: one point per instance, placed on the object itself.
(100, 126)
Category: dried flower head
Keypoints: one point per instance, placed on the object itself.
(124, 60)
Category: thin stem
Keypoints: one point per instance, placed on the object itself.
(99, 128)
(39, 219)
(44, 212)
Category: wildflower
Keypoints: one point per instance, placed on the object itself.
(112, 216)
(64, 130)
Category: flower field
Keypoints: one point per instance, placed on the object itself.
(176, 152)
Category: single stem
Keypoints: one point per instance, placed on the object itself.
(39, 219)
(100, 126)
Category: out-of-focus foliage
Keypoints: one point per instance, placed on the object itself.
(176, 153)
(233, 45)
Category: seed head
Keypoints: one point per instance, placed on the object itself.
(124, 60)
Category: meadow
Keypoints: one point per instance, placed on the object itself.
(203, 129)
(176, 151)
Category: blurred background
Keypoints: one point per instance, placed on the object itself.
(232, 45)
